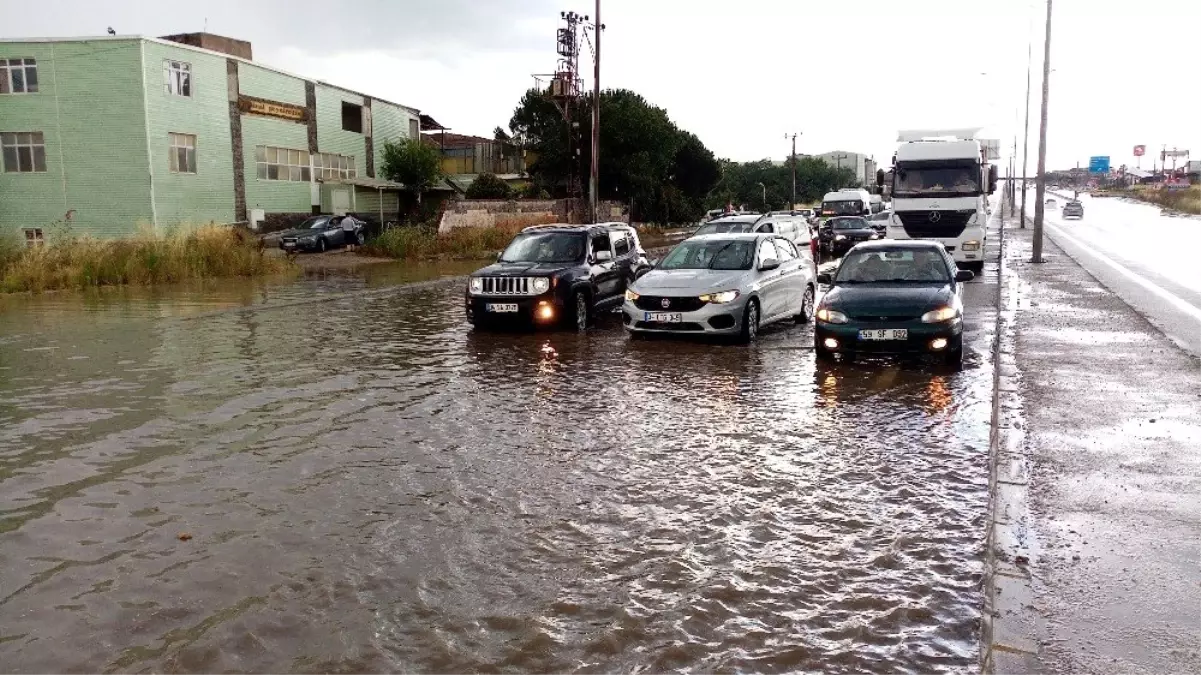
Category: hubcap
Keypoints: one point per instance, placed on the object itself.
(807, 303)
(581, 312)
(752, 321)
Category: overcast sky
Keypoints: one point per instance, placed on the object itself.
(846, 74)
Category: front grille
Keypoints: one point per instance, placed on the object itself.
(876, 318)
(682, 327)
(654, 303)
(290, 240)
(507, 286)
(934, 224)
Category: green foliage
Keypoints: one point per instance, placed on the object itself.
(533, 191)
(424, 242)
(150, 258)
(412, 162)
(740, 183)
(489, 186)
(664, 173)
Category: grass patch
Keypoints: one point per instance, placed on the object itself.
(148, 258)
(422, 242)
(1187, 201)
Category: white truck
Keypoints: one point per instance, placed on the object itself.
(847, 202)
(941, 180)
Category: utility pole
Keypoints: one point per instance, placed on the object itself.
(1026, 134)
(594, 178)
(792, 204)
(1041, 183)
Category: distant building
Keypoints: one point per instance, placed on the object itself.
(465, 157)
(110, 134)
(861, 165)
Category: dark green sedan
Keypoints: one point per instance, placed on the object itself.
(893, 297)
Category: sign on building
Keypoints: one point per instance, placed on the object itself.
(258, 106)
(1098, 164)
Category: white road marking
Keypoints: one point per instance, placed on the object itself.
(1155, 289)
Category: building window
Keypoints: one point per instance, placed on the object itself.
(34, 237)
(328, 165)
(23, 152)
(352, 117)
(414, 129)
(18, 76)
(183, 153)
(178, 77)
(282, 163)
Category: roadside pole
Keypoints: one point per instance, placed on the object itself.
(593, 180)
(1026, 134)
(1041, 182)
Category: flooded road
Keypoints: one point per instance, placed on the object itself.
(252, 479)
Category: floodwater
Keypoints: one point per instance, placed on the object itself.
(338, 474)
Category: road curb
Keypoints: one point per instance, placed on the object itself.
(1009, 622)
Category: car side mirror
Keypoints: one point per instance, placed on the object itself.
(992, 178)
(964, 275)
(498, 255)
(603, 256)
(825, 278)
(768, 264)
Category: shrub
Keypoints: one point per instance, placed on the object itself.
(424, 243)
(489, 186)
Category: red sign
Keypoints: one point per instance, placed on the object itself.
(1139, 150)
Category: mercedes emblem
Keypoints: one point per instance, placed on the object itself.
(935, 216)
(665, 302)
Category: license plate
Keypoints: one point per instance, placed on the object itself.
(884, 334)
(663, 317)
(289, 244)
(502, 307)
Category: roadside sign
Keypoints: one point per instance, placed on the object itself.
(1098, 164)
(1140, 150)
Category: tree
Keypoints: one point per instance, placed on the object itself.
(489, 186)
(412, 163)
(664, 173)
(740, 183)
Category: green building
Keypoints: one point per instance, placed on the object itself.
(103, 136)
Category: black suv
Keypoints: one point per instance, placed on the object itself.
(556, 274)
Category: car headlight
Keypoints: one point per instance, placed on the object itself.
(940, 315)
(540, 284)
(631, 295)
(831, 315)
(972, 245)
(720, 297)
(476, 285)
(874, 236)
(840, 237)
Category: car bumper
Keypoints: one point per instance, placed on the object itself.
(530, 310)
(921, 335)
(711, 319)
(840, 247)
(298, 245)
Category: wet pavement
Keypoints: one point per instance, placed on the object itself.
(1109, 431)
(338, 474)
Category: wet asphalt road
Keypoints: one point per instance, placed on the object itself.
(368, 484)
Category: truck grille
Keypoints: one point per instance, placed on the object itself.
(934, 224)
(654, 303)
(507, 286)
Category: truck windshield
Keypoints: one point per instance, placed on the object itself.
(850, 207)
(943, 181)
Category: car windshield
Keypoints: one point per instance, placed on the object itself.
(958, 180)
(723, 228)
(893, 266)
(545, 247)
(712, 254)
(848, 224)
(843, 208)
(314, 223)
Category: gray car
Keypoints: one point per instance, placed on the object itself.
(723, 284)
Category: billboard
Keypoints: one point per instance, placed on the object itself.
(1098, 164)
(1140, 150)
(1172, 153)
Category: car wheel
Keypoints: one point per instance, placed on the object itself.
(321, 245)
(976, 268)
(579, 318)
(360, 239)
(806, 314)
(750, 322)
(953, 357)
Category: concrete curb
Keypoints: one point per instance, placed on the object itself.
(1010, 622)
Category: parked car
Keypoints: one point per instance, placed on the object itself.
(723, 284)
(320, 233)
(893, 297)
(736, 223)
(1073, 210)
(841, 233)
(1050, 203)
(555, 274)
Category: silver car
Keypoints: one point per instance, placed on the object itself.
(723, 284)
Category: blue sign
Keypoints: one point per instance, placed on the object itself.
(1098, 164)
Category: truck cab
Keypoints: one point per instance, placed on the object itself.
(940, 190)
